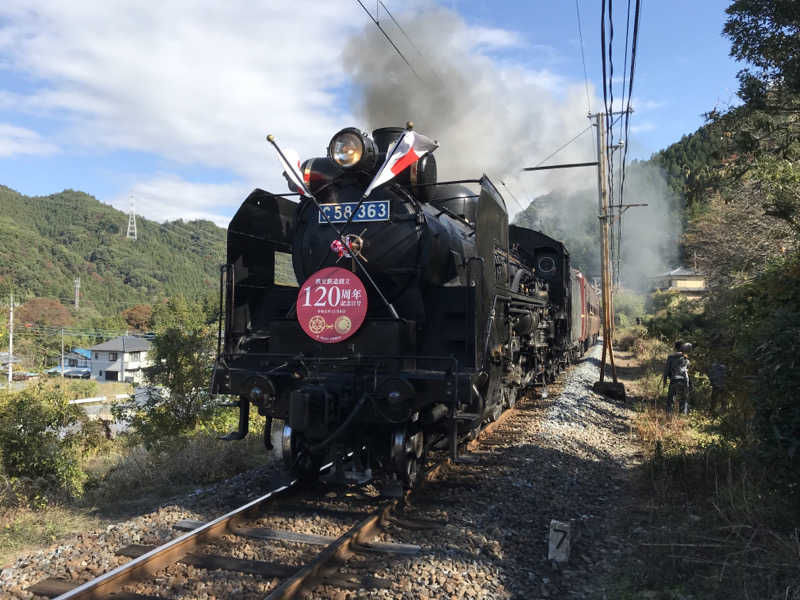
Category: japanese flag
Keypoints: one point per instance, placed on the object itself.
(408, 150)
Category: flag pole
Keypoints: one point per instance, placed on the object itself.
(389, 306)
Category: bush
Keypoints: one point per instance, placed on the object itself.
(158, 416)
(40, 442)
(626, 338)
(628, 306)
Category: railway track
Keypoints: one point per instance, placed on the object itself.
(268, 518)
(205, 547)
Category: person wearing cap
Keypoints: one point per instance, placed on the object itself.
(677, 371)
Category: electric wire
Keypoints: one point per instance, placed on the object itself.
(517, 202)
(389, 39)
(627, 114)
(624, 141)
(583, 57)
(403, 31)
(564, 145)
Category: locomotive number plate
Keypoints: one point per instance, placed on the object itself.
(372, 210)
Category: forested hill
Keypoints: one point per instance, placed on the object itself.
(47, 242)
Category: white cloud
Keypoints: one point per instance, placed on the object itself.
(196, 82)
(18, 140)
(642, 105)
(643, 127)
(490, 38)
(201, 82)
(167, 198)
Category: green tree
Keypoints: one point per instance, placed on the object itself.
(762, 136)
(39, 439)
(765, 34)
(183, 354)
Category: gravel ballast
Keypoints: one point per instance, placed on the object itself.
(565, 457)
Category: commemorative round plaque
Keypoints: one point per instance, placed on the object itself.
(331, 305)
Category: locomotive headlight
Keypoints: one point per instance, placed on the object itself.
(350, 148)
(346, 148)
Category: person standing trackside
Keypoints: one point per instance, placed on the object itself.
(677, 370)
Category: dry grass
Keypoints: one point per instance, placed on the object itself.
(721, 528)
(112, 388)
(24, 529)
(124, 481)
(131, 478)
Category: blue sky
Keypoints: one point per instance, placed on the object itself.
(170, 103)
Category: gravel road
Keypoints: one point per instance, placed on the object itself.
(565, 457)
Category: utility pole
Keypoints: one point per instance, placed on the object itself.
(10, 339)
(77, 292)
(62, 352)
(605, 261)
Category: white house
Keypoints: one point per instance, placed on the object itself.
(126, 353)
(689, 282)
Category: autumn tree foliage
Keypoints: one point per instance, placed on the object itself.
(44, 311)
(139, 317)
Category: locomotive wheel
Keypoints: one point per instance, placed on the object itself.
(511, 397)
(306, 466)
(498, 408)
(412, 471)
(408, 453)
(297, 459)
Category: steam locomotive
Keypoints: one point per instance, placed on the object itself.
(378, 328)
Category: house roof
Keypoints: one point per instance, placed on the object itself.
(83, 352)
(680, 272)
(131, 343)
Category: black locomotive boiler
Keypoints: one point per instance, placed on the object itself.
(461, 311)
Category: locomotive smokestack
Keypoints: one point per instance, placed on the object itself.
(386, 136)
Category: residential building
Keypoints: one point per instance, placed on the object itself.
(127, 352)
(77, 364)
(689, 282)
(6, 358)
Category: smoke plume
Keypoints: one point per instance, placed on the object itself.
(489, 116)
(649, 233)
(493, 116)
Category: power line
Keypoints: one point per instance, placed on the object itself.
(560, 148)
(636, 18)
(583, 57)
(519, 204)
(403, 31)
(386, 35)
(625, 63)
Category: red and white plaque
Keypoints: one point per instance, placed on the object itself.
(331, 305)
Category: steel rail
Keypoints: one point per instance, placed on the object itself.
(167, 553)
(340, 550)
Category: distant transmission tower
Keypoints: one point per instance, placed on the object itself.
(131, 221)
